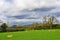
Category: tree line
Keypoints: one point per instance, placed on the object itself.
(48, 22)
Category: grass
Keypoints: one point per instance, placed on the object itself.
(32, 35)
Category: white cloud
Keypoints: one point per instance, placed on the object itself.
(3, 19)
(36, 3)
(15, 8)
(18, 5)
(27, 20)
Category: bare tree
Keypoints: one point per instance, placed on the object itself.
(49, 20)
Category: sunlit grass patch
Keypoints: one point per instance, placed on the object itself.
(32, 35)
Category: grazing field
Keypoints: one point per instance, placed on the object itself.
(32, 35)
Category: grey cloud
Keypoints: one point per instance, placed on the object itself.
(28, 9)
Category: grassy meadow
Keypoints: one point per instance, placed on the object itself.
(53, 34)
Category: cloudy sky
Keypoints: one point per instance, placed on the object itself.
(28, 11)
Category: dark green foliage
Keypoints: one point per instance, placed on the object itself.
(3, 27)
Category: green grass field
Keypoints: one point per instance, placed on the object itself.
(32, 35)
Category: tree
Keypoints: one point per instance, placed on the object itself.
(49, 20)
(19, 25)
(4, 26)
(35, 26)
(52, 20)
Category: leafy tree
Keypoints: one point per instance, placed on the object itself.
(35, 26)
(19, 25)
(4, 26)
